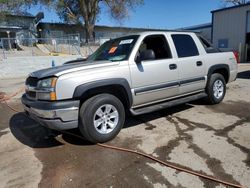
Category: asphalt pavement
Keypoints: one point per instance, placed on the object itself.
(212, 140)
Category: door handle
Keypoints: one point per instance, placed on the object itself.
(172, 66)
(199, 63)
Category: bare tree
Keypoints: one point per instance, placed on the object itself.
(14, 7)
(84, 12)
(236, 2)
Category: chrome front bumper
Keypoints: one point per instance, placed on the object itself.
(55, 115)
(67, 114)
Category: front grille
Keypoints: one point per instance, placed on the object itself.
(32, 81)
(31, 94)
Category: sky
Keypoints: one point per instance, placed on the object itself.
(159, 14)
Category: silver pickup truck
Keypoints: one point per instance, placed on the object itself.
(135, 74)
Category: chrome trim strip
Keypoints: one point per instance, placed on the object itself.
(154, 88)
(162, 100)
(30, 88)
(183, 82)
(37, 91)
(151, 91)
(43, 90)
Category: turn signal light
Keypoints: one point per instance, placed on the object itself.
(53, 96)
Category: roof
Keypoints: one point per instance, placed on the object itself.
(11, 28)
(162, 32)
(103, 26)
(141, 30)
(24, 16)
(197, 27)
(135, 28)
(232, 7)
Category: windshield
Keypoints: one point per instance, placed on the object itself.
(115, 50)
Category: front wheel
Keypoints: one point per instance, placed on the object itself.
(216, 88)
(101, 118)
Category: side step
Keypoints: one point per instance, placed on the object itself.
(167, 104)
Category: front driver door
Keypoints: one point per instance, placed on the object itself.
(156, 79)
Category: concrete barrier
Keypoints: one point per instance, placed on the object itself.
(15, 67)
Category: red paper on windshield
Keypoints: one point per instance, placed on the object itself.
(112, 50)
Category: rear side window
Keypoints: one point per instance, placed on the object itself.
(185, 45)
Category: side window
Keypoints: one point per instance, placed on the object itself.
(185, 45)
(158, 44)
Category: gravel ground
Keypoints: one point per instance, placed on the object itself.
(212, 140)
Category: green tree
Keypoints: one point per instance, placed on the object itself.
(85, 12)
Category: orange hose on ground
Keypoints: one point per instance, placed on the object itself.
(8, 97)
(162, 162)
(4, 98)
(13, 109)
(172, 166)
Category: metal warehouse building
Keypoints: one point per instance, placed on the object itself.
(231, 29)
(203, 29)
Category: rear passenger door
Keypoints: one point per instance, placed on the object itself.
(156, 79)
(190, 63)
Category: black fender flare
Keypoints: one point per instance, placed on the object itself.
(217, 67)
(81, 89)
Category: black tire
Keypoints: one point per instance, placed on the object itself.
(213, 97)
(88, 112)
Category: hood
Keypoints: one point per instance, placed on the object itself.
(72, 67)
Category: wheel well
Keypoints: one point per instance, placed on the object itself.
(223, 72)
(116, 90)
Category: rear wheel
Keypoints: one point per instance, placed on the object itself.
(101, 118)
(216, 88)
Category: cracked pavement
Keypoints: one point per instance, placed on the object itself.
(213, 140)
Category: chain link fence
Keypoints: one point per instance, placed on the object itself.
(70, 45)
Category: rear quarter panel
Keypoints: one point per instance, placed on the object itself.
(223, 58)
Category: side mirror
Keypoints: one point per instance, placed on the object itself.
(145, 55)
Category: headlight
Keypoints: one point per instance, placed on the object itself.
(47, 83)
(46, 89)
